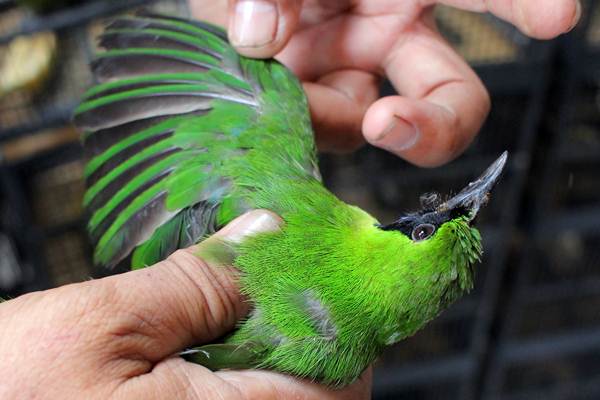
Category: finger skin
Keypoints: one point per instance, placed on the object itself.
(337, 103)
(175, 378)
(213, 11)
(279, 386)
(443, 100)
(438, 137)
(540, 19)
(275, 19)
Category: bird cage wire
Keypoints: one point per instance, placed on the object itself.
(529, 329)
(548, 344)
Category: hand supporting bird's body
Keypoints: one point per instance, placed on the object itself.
(184, 135)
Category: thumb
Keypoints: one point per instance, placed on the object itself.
(183, 300)
(261, 28)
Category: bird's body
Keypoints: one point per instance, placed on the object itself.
(184, 135)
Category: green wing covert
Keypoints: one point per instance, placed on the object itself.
(174, 107)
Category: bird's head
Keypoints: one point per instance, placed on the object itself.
(433, 250)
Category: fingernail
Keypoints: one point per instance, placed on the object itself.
(576, 17)
(399, 135)
(253, 222)
(254, 23)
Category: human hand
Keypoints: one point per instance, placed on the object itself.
(114, 338)
(340, 50)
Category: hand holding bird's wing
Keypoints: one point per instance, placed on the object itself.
(115, 337)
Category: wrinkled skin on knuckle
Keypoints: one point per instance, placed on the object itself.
(212, 293)
(71, 318)
(199, 300)
(135, 329)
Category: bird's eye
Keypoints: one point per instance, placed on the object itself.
(422, 232)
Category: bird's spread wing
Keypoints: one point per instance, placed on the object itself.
(173, 103)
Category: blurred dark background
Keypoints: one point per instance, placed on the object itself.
(530, 329)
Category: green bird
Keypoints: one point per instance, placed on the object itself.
(183, 135)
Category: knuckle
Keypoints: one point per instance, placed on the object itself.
(211, 292)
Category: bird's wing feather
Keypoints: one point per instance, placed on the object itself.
(163, 124)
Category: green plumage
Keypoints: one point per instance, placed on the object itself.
(200, 130)
(183, 135)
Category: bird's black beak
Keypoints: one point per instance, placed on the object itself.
(469, 200)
